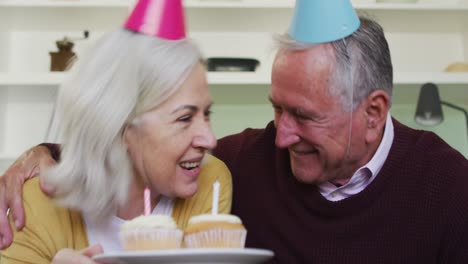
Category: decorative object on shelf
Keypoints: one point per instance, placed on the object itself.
(457, 67)
(61, 60)
(318, 21)
(429, 107)
(232, 64)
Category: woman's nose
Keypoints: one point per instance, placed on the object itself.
(205, 138)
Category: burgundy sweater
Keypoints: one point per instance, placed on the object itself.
(415, 211)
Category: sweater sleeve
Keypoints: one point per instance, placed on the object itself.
(48, 229)
(455, 244)
(228, 148)
(30, 245)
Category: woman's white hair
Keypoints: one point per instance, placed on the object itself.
(122, 76)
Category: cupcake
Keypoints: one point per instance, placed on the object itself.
(150, 232)
(215, 230)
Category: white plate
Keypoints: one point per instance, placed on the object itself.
(207, 255)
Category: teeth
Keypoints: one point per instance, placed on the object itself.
(189, 165)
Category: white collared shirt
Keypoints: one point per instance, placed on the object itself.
(108, 235)
(364, 175)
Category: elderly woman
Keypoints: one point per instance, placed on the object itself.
(135, 113)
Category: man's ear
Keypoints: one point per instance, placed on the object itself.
(377, 107)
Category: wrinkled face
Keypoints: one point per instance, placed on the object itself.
(310, 122)
(168, 143)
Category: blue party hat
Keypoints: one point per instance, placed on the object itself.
(319, 21)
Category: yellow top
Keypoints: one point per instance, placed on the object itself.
(50, 228)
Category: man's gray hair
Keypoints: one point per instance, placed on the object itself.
(124, 75)
(362, 63)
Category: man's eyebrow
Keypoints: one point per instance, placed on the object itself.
(294, 110)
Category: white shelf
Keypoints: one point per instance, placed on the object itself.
(436, 77)
(235, 78)
(415, 6)
(454, 5)
(240, 3)
(8, 156)
(449, 5)
(31, 78)
(52, 78)
(238, 78)
(126, 3)
(5, 162)
(64, 3)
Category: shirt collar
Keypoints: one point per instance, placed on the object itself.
(365, 174)
(377, 161)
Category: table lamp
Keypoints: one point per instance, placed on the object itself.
(429, 107)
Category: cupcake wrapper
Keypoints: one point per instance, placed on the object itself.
(231, 238)
(151, 239)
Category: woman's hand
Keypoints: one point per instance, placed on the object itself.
(25, 167)
(70, 256)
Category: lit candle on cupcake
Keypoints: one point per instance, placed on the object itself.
(150, 231)
(147, 201)
(215, 230)
(214, 206)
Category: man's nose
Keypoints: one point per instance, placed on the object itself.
(286, 131)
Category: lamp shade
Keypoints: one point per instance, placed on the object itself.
(429, 108)
(160, 18)
(320, 21)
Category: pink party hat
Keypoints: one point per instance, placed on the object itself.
(160, 18)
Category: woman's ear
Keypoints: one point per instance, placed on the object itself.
(132, 142)
(128, 134)
(377, 107)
